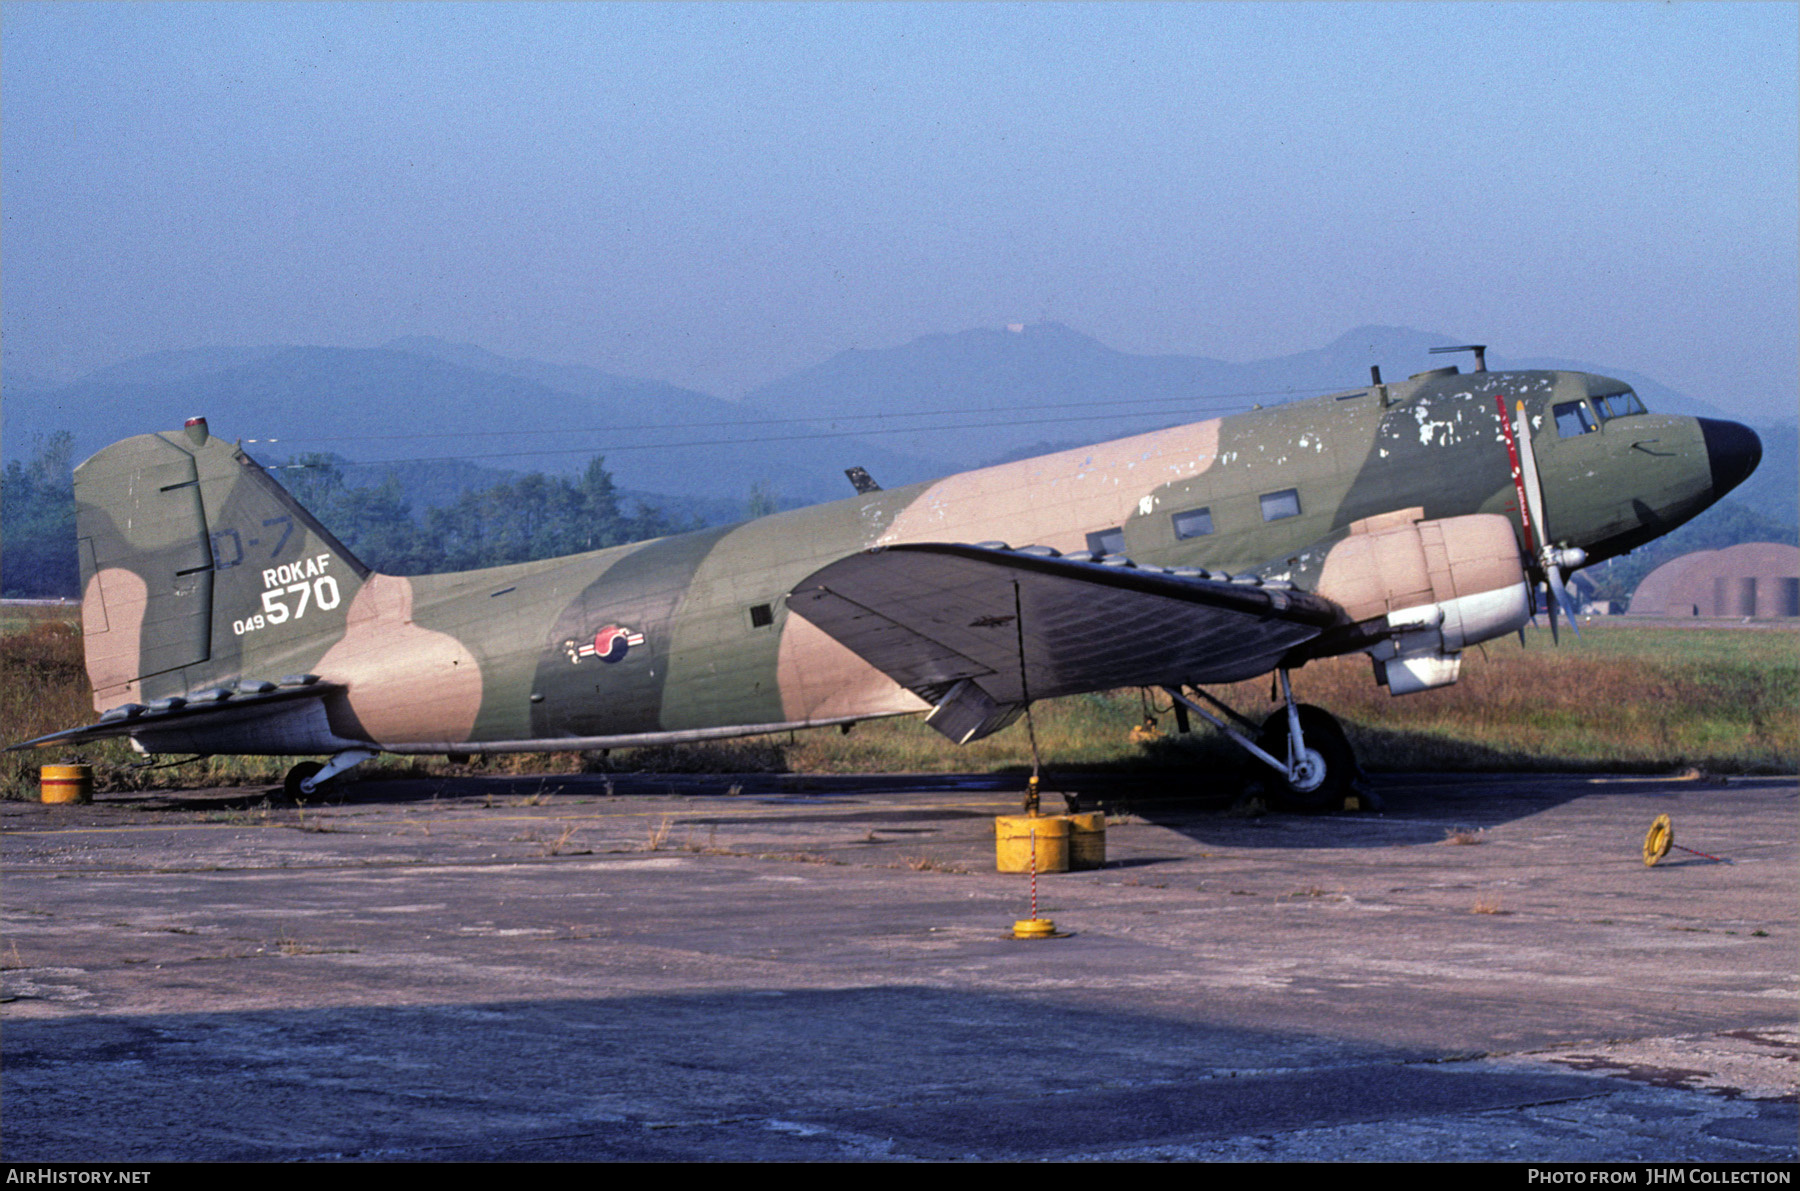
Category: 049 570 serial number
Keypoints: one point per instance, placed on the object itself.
(289, 591)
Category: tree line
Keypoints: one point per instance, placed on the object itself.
(516, 520)
(531, 517)
(37, 522)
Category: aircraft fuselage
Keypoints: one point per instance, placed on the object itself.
(690, 637)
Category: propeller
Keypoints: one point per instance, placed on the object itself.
(1551, 558)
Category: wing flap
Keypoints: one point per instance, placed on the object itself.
(1026, 626)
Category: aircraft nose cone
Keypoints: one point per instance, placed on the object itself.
(1732, 450)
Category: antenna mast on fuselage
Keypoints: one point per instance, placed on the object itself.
(1480, 350)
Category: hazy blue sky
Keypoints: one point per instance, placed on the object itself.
(716, 194)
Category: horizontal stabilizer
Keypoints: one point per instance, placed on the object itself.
(260, 717)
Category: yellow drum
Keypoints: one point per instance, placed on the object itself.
(66, 783)
(1013, 837)
(1087, 840)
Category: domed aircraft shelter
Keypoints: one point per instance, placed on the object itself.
(1756, 579)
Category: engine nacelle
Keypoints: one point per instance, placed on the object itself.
(1436, 586)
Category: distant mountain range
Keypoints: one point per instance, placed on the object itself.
(423, 399)
(937, 404)
(1046, 382)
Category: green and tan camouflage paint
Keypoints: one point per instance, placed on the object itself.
(199, 572)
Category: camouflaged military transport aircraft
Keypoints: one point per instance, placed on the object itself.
(1405, 521)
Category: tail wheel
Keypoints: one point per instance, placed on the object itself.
(1327, 769)
(299, 773)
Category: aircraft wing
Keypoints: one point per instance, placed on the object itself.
(1023, 626)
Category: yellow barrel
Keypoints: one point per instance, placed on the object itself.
(1087, 840)
(1013, 835)
(66, 783)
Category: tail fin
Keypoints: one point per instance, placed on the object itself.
(197, 568)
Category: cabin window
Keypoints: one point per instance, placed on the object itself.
(1573, 419)
(1617, 405)
(1279, 505)
(761, 616)
(1107, 541)
(1195, 523)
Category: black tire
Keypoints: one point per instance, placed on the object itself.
(290, 785)
(1326, 741)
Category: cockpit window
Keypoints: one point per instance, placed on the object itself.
(1573, 418)
(1617, 405)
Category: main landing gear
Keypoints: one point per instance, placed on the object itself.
(309, 777)
(1305, 746)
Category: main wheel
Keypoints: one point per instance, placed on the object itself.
(290, 785)
(1325, 772)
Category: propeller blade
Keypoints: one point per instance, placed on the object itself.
(1531, 497)
(1518, 476)
(1559, 594)
(1529, 481)
(1565, 593)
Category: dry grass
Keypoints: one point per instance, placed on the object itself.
(1621, 698)
(1487, 904)
(1464, 835)
(711, 847)
(1647, 700)
(1312, 893)
(925, 864)
(289, 945)
(764, 754)
(43, 689)
(540, 796)
(555, 847)
(315, 824)
(797, 857)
